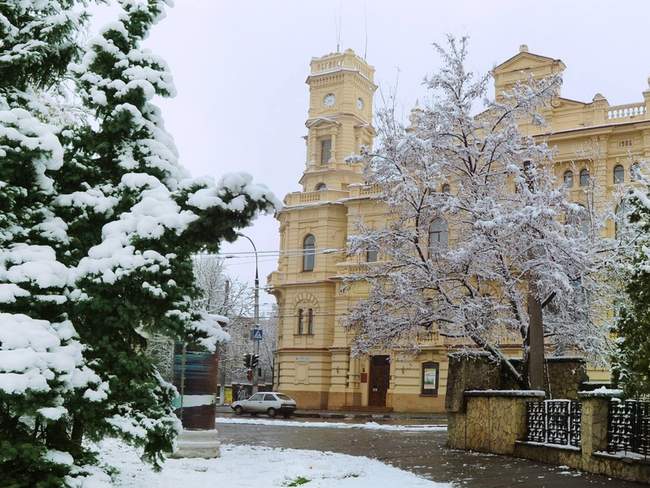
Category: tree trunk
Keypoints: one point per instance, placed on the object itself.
(77, 435)
(535, 365)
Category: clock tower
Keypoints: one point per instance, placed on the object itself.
(313, 357)
(340, 113)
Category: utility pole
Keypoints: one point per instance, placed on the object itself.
(221, 348)
(256, 310)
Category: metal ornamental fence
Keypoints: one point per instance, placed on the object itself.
(554, 422)
(628, 427)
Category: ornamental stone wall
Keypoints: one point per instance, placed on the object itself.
(495, 422)
(492, 421)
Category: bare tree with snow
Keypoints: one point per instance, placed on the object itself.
(482, 242)
(225, 295)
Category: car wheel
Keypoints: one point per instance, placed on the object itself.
(272, 412)
(238, 410)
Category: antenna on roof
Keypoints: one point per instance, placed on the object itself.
(365, 25)
(338, 22)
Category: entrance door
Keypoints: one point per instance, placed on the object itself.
(379, 378)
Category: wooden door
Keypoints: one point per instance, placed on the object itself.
(379, 379)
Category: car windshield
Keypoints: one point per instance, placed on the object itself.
(282, 396)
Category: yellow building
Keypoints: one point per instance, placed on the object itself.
(314, 363)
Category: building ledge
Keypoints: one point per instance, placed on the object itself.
(624, 456)
(506, 393)
(561, 447)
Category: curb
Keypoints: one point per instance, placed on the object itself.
(305, 414)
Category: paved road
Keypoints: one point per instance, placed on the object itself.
(423, 453)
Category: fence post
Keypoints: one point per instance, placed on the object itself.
(593, 424)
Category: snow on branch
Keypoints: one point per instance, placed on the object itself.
(475, 214)
(35, 352)
(231, 193)
(207, 330)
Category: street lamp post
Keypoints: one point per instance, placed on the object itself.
(256, 310)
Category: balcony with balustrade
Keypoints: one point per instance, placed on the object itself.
(365, 191)
(301, 198)
(629, 111)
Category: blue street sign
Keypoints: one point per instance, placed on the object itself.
(256, 334)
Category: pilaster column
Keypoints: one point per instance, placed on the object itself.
(311, 148)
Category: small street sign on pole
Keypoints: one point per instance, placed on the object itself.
(256, 334)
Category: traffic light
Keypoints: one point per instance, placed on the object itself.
(255, 360)
(247, 360)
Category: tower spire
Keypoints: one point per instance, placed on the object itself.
(338, 21)
(365, 25)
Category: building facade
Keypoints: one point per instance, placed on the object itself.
(313, 361)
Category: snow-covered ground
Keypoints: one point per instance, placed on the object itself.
(331, 425)
(257, 467)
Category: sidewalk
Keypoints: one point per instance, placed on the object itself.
(438, 418)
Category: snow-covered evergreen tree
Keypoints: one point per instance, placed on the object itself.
(136, 219)
(631, 357)
(98, 226)
(481, 236)
(44, 378)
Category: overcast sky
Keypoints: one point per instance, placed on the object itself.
(240, 67)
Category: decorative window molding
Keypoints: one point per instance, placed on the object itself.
(306, 308)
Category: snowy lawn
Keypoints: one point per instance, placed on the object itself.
(258, 467)
(332, 425)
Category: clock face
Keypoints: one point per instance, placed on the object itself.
(359, 103)
(329, 100)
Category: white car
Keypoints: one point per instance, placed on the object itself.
(268, 402)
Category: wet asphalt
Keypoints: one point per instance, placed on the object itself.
(423, 453)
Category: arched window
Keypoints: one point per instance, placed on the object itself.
(584, 177)
(619, 174)
(310, 321)
(579, 219)
(320, 187)
(620, 218)
(568, 178)
(438, 235)
(308, 253)
(634, 172)
(372, 254)
(300, 320)
(445, 188)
